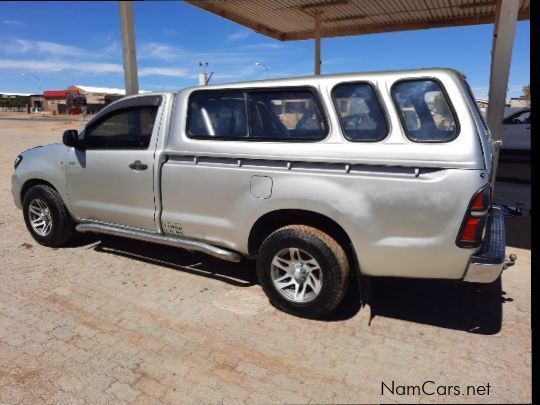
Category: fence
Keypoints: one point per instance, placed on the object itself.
(13, 109)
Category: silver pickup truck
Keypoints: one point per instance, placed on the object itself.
(318, 178)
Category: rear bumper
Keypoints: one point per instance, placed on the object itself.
(487, 264)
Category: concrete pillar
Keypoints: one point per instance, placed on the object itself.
(501, 55)
(128, 48)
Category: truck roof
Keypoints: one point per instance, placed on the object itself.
(302, 80)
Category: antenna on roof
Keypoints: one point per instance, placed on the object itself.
(204, 78)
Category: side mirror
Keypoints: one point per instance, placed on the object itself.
(71, 138)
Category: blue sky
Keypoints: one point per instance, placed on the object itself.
(79, 43)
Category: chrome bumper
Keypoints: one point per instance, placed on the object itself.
(487, 264)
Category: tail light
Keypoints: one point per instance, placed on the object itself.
(471, 232)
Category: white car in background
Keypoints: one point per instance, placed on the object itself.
(517, 129)
(513, 188)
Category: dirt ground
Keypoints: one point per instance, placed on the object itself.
(42, 116)
(107, 320)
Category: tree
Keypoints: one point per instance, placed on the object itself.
(440, 105)
(527, 92)
(14, 101)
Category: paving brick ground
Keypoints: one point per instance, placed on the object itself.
(115, 321)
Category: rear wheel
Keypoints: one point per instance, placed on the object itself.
(46, 216)
(303, 271)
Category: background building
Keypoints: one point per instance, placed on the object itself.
(20, 102)
(519, 102)
(98, 97)
(54, 101)
(483, 103)
(79, 99)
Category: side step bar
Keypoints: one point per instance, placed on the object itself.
(183, 243)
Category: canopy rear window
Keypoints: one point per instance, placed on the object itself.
(425, 111)
(360, 114)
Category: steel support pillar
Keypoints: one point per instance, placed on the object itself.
(501, 55)
(317, 17)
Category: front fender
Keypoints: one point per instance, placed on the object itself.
(47, 165)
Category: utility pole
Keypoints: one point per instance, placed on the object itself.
(128, 48)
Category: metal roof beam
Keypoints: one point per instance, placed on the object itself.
(348, 18)
(478, 4)
(323, 4)
(260, 28)
(417, 25)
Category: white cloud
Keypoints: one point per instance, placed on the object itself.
(21, 46)
(155, 50)
(265, 45)
(53, 48)
(89, 68)
(167, 53)
(12, 22)
(16, 46)
(111, 50)
(164, 71)
(155, 60)
(58, 66)
(238, 35)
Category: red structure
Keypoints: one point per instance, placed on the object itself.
(55, 101)
(58, 94)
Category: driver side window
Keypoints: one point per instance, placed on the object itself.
(129, 128)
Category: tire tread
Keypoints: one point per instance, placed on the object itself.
(315, 237)
(64, 229)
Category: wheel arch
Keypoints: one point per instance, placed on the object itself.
(28, 184)
(273, 220)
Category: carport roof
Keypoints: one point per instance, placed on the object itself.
(288, 20)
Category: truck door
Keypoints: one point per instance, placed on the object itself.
(111, 177)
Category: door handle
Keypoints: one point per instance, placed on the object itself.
(138, 165)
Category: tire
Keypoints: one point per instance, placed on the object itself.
(312, 255)
(46, 200)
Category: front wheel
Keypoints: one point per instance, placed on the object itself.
(46, 216)
(303, 271)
